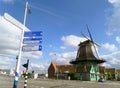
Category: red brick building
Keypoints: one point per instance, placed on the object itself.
(52, 70)
(55, 70)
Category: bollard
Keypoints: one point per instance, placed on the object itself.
(25, 83)
(26, 73)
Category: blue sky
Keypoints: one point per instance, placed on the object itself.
(62, 22)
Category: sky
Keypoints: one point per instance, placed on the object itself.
(62, 22)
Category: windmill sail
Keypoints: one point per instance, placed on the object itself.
(92, 42)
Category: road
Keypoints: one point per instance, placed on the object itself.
(7, 82)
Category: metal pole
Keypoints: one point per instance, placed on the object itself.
(20, 51)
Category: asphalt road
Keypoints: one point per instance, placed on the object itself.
(7, 82)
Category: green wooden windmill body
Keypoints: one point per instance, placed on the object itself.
(86, 63)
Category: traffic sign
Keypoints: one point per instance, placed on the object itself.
(33, 34)
(32, 40)
(26, 65)
(32, 48)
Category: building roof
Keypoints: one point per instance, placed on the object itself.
(85, 50)
(85, 54)
(118, 71)
(102, 69)
(111, 70)
(54, 65)
(66, 68)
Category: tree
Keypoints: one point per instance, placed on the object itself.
(109, 75)
(29, 75)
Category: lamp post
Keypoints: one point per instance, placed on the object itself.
(20, 50)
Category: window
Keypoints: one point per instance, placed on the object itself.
(92, 75)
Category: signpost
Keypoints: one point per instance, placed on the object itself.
(23, 34)
(15, 84)
(32, 41)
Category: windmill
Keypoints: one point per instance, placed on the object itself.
(91, 40)
(86, 60)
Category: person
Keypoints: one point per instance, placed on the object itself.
(68, 77)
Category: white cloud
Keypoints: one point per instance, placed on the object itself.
(113, 20)
(32, 55)
(39, 67)
(62, 47)
(113, 1)
(72, 40)
(110, 47)
(112, 59)
(118, 39)
(63, 58)
(107, 65)
(5, 62)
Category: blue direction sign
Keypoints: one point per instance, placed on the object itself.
(32, 48)
(32, 40)
(33, 34)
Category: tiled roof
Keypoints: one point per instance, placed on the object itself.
(118, 71)
(54, 65)
(111, 70)
(102, 69)
(66, 68)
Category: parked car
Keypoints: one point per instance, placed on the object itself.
(101, 80)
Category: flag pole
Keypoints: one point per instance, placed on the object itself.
(20, 51)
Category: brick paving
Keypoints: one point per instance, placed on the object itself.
(7, 82)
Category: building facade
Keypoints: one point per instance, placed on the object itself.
(60, 71)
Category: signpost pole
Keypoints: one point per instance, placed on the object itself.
(20, 51)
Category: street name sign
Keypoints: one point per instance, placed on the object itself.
(32, 40)
(32, 48)
(33, 34)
